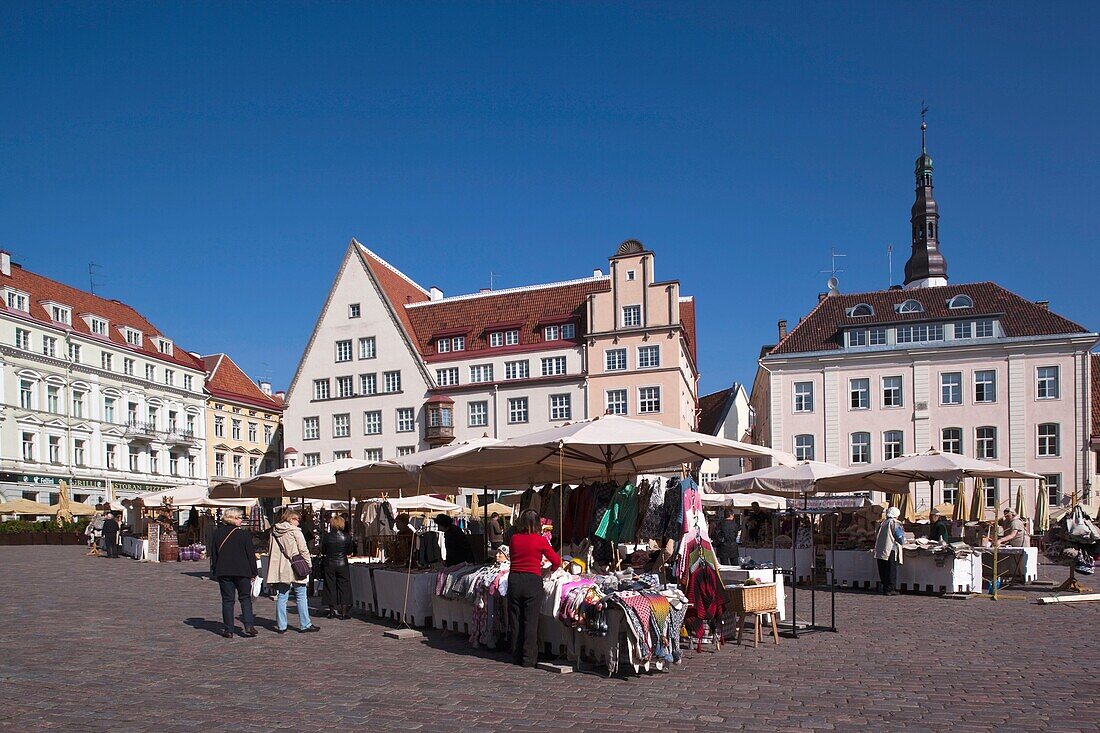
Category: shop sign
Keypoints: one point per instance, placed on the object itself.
(825, 503)
(136, 487)
(39, 480)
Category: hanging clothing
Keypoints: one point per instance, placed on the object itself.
(617, 524)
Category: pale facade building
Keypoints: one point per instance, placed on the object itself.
(967, 368)
(393, 367)
(93, 394)
(243, 422)
(726, 414)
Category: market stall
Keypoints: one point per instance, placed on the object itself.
(896, 476)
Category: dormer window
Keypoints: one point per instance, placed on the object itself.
(97, 325)
(861, 311)
(558, 333)
(960, 301)
(132, 336)
(504, 338)
(164, 346)
(445, 345)
(61, 314)
(911, 306)
(18, 301)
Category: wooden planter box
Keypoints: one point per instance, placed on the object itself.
(15, 538)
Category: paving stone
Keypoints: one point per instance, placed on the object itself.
(91, 644)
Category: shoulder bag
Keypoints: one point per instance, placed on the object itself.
(1080, 527)
(299, 564)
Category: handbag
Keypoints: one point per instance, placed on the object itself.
(1080, 527)
(299, 564)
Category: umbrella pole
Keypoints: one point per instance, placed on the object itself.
(485, 515)
(832, 573)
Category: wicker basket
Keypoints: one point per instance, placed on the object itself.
(752, 598)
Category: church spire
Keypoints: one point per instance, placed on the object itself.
(926, 266)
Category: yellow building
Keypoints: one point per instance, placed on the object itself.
(243, 423)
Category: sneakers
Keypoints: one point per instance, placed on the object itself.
(309, 629)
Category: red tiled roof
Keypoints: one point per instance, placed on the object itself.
(225, 379)
(687, 318)
(40, 289)
(529, 306)
(822, 329)
(397, 288)
(1094, 372)
(712, 408)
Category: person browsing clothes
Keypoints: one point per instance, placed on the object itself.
(528, 547)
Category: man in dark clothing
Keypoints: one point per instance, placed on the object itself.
(455, 541)
(725, 538)
(496, 532)
(938, 531)
(233, 565)
(110, 535)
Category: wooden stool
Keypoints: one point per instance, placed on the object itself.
(758, 626)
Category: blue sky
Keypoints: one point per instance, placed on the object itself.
(215, 158)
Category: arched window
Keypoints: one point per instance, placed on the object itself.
(960, 301)
(861, 311)
(911, 306)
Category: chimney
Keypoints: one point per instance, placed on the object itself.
(5, 263)
(435, 293)
(265, 387)
(1044, 304)
(484, 290)
(281, 394)
(782, 329)
(597, 272)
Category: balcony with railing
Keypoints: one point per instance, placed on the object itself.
(136, 430)
(180, 436)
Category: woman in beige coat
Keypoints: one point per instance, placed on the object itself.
(287, 541)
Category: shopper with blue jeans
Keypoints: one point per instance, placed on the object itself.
(287, 542)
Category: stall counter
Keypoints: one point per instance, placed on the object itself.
(135, 547)
(784, 558)
(918, 572)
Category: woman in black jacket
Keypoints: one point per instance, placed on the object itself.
(233, 565)
(335, 546)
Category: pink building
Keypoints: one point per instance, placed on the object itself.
(971, 368)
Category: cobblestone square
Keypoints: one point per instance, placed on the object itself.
(91, 644)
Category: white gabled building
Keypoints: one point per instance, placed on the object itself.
(93, 394)
(392, 367)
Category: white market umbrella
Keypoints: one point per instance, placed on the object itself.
(408, 474)
(304, 480)
(188, 495)
(423, 504)
(743, 500)
(792, 482)
(895, 475)
(610, 445)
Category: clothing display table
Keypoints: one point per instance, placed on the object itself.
(1014, 564)
(940, 572)
(452, 614)
(919, 571)
(390, 589)
(135, 547)
(733, 574)
(362, 586)
(783, 558)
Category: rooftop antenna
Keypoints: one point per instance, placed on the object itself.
(834, 281)
(491, 279)
(93, 270)
(890, 260)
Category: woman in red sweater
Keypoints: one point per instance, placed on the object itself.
(528, 548)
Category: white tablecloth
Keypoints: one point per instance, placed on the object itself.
(1009, 563)
(452, 614)
(390, 588)
(918, 572)
(135, 547)
(362, 589)
(783, 558)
